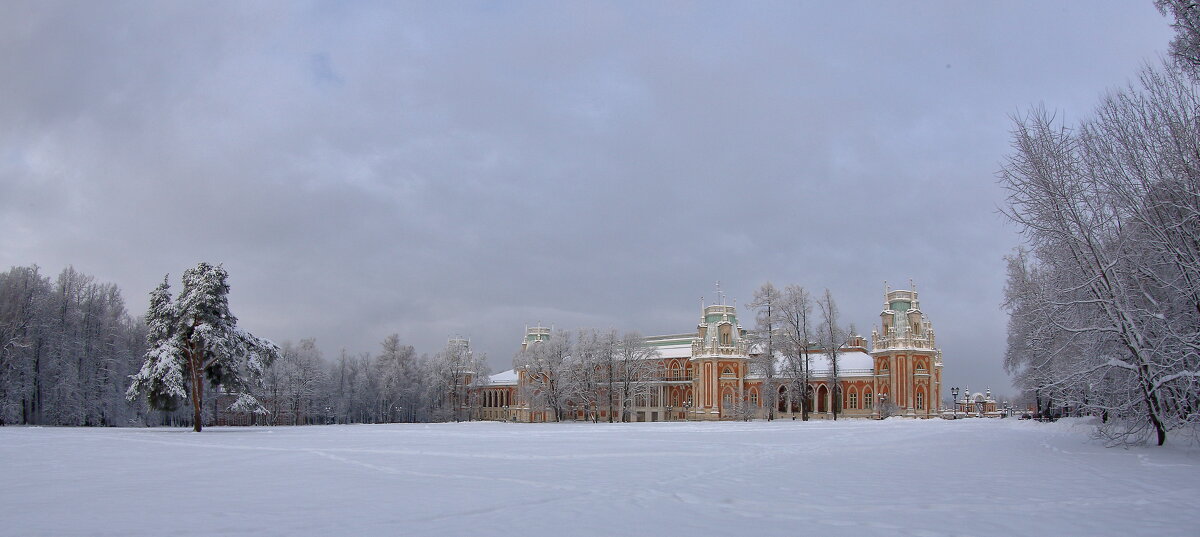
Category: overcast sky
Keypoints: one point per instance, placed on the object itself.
(434, 169)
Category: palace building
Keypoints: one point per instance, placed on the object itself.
(711, 374)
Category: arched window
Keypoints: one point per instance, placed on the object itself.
(753, 397)
(727, 398)
(852, 401)
(867, 402)
(727, 372)
(675, 374)
(783, 396)
(920, 401)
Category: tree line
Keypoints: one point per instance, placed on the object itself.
(67, 348)
(598, 373)
(70, 351)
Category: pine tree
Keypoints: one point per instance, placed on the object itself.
(194, 339)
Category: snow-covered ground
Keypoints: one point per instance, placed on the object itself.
(966, 477)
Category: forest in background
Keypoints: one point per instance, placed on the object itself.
(68, 347)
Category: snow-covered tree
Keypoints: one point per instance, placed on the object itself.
(590, 384)
(66, 348)
(399, 380)
(454, 372)
(1185, 47)
(303, 376)
(354, 389)
(196, 339)
(548, 368)
(1105, 306)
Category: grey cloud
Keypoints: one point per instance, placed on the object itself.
(435, 170)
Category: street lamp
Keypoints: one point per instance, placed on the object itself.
(669, 410)
(954, 392)
(882, 404)
(505, 413)
(687, 410)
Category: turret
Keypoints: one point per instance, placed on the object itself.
(535, 334)
(718, 332)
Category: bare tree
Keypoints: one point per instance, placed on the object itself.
(831, 337)
(769, 311)
(637, 368)
(796, 312)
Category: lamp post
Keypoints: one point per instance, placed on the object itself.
(669, 410)
(882, 404)
(687, 410)
(954, 392)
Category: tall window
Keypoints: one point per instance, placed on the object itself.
(754, 397)
(853, 402)
(867, 400)
(920, 401)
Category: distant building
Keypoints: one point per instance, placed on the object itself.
(978, 404)
(707, 374)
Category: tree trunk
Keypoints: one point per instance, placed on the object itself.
(197, 389)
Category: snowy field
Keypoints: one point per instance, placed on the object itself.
(970, 477)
